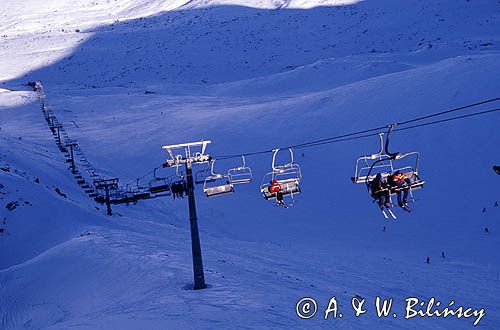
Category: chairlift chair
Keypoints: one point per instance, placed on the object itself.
(201, 175)
(159, 186)
(217, 184)
(178, 177)
(241, 174)
(288, 176)
(119, 196)
(129, 194)
(386, 164)
(140, 192)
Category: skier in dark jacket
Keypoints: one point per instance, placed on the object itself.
(175, 189)
(380, 191)
(401, 184)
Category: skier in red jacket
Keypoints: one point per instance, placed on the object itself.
(276, 188)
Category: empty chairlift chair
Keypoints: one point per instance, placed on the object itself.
(241, 174)
(217, 184)
(129, 194)
(159, 186)
(201, 175)
(140, 192)
(288, 176)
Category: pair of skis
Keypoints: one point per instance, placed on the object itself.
(388, 209)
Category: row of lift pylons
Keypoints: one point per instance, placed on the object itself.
(287, 176)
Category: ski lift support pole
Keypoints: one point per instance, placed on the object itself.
(107, 184)
(58, 132)
(189, 159)
(71, 145)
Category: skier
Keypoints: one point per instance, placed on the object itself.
(380, 191)
(401, 184)
(175, 190)
(276, 188)
(496, 169)
(184, 189)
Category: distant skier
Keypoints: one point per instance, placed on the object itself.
(401, 184)
(380, 191)
(180, 190)
(496, 169)
(275, 188)
(175, 190)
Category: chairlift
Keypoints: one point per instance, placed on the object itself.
(241, 174)
(178, 177)
(386, 164)
(129, 193)
(159, 186)
(201, 175)
(119, 196)
(140, 192)
(217, 184)
(287, 175)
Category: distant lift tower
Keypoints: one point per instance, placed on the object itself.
(189, 154)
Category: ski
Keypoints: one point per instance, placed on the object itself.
(392, 214)
(385, 214)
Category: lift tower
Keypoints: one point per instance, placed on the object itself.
(189, 154)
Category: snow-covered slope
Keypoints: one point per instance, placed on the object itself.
(254, 40)
(249, 76)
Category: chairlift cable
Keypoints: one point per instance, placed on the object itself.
(449, 119)
(355, 135)
(449, 111)
(371, 132)
(143, 176)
